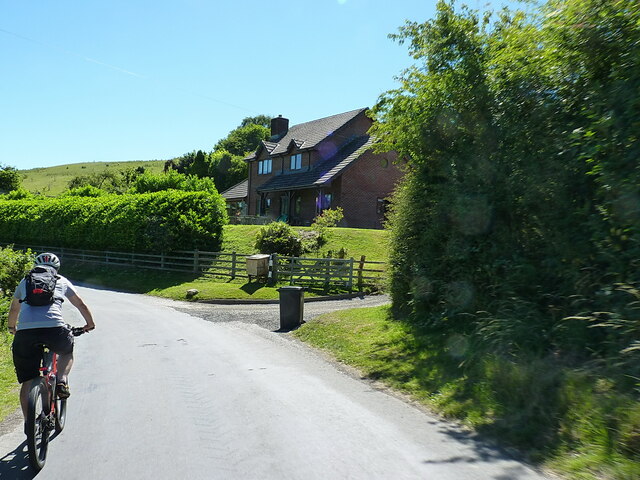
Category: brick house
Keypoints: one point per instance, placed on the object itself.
(326, 163)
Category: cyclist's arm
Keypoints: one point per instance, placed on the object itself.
(12, 320)
(77, 302)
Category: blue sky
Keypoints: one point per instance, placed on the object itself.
(89, 80)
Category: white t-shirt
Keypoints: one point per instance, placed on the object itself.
(48, 315)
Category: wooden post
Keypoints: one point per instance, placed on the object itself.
(291, 270)
(233, 265)
(360, 267)
(274, 268)
(327, 276)
(350, 285)
(196, 260)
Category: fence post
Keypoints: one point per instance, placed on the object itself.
(350, 285)
(196, 260)
(291, 270)
(360, 267)
(327, 275)
(274, 268)
(233, 265)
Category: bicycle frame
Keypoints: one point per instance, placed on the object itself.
(49, 373)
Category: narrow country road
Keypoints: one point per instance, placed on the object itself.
(168, 390)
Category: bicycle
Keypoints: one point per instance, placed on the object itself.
(45, 412)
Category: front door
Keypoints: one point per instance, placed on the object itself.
(284, 207)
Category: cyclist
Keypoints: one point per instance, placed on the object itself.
(37, 325)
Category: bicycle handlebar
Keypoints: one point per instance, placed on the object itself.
(77, 331)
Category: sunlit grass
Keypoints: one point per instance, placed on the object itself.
(9, 387)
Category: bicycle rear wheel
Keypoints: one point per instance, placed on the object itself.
(61, 413)
(37, 425)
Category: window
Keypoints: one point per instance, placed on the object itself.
(264, 166)
(323, 201)
(296, 161)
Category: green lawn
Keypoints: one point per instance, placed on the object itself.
(374, 244)
(52, 181)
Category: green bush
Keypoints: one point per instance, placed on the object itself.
(17, 194)
(278, 237)
(14, 265)
(151, 222)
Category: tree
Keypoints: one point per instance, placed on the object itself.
(9, 178)
(243, 139)
(263, 120)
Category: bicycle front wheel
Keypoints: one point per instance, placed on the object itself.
(37, 425)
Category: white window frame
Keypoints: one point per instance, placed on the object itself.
(296, 162)
(265, 166)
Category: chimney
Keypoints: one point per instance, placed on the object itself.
(279, 126)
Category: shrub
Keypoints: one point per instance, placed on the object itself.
(13, 266)
(329, 218)
(278, 237)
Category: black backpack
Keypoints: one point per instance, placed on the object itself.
(41, 286)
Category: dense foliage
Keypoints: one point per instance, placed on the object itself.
(9, 179)
(14, 265)
(225, 164)
(152, 222)
(518, 223)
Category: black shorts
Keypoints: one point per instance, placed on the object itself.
(27, 348)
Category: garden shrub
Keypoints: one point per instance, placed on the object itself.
(280, 238)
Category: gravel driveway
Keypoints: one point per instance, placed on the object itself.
(268, 315)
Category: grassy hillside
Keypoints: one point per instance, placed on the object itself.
(52, 181)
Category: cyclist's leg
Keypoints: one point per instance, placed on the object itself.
(60, 339)
(26, 359)
(65, 362)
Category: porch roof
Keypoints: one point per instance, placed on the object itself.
(321, 173)
(238, 192)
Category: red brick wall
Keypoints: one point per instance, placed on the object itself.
(371, 177)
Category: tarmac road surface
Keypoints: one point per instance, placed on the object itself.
(170, 390)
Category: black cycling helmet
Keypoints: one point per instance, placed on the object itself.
(49, 259)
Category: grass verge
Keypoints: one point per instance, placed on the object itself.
(9, 387)
(566, 419)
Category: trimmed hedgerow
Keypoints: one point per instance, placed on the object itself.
(152, 222)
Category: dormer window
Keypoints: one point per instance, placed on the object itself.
(296, 161)
(264, 166)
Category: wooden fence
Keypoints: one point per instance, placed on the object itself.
(348, 273)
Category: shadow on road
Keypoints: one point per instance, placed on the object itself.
(15, 465)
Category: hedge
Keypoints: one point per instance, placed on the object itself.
(151, 222)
